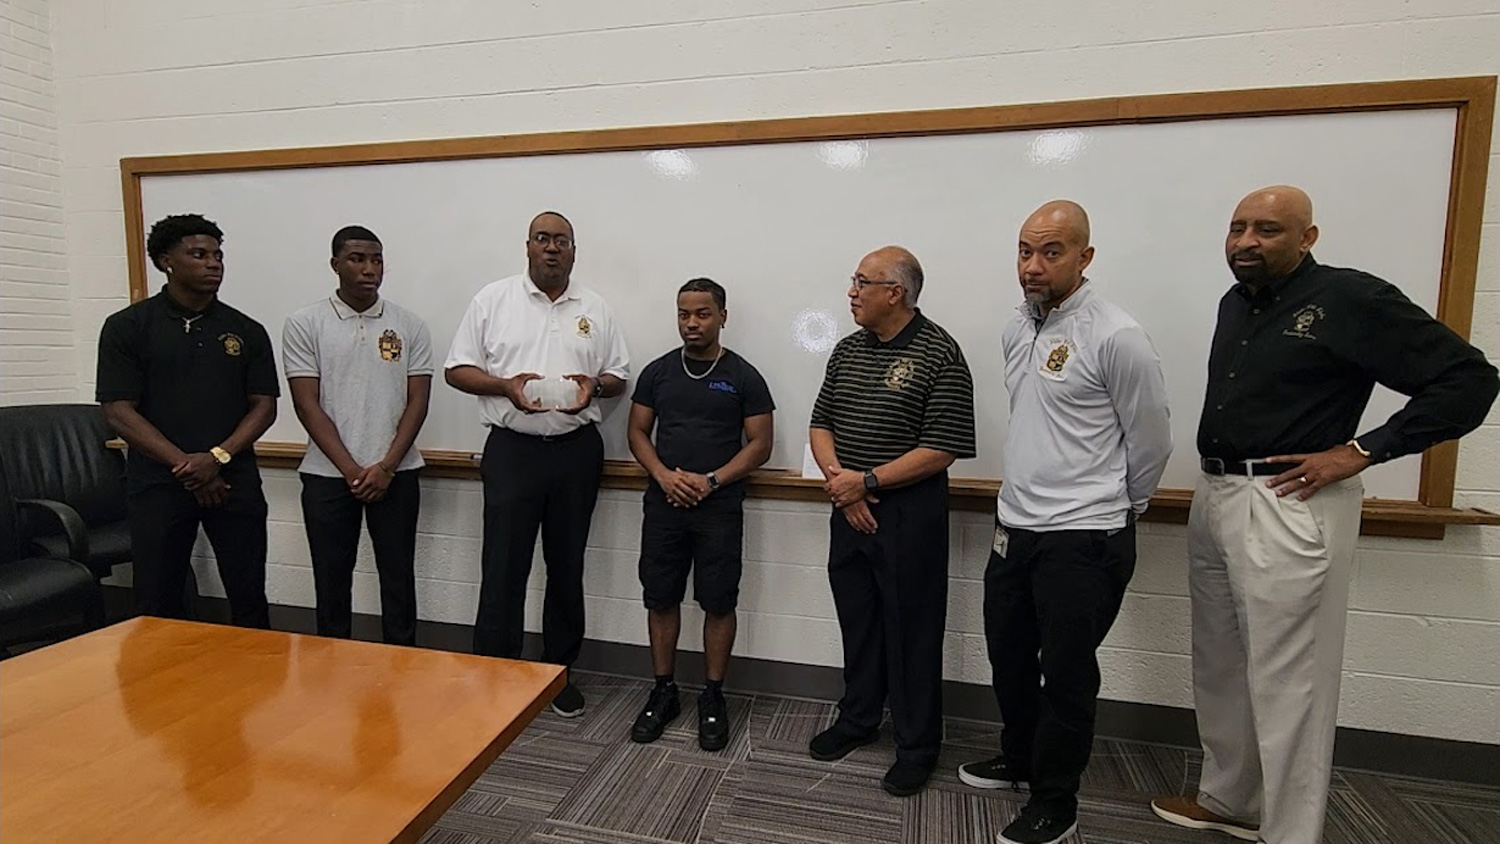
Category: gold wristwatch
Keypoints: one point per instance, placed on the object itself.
(1363, 452)
(221, 455)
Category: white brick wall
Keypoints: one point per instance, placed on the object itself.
(147, 77)
(36, 333)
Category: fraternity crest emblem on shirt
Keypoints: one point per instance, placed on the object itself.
(1302, 322)
(390, 345)
(900, 373)
(233, 344)
(1056, 364)
(585, 328)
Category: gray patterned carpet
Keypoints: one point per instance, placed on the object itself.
(582, 781)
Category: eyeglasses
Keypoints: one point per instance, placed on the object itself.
(859, 282)
(561, 241)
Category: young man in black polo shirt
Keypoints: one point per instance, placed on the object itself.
(190, 383)
(712, 414)
(895, 410)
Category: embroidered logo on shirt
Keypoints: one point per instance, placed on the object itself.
(233, 344)
(723, 387)
(585, 328)
(1058, 358)
(900, 373)
(1302, 322)
(390, 345)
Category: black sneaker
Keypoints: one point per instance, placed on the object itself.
(713, 721)
(661, 708)
(569, 702)
(906, 778)
(999, 772)
(838, 741)
(1038, 826)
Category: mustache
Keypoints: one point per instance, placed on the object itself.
(1247, 253)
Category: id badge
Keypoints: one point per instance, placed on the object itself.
(1002, 541)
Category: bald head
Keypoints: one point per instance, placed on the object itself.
(1271, 232)
(1053, 252)
(902, 267)
(1063, 216)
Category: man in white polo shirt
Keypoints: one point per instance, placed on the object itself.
(360, 372)
(1086, 444)
(543, 458)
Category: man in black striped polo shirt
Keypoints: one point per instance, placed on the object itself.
(895, 410)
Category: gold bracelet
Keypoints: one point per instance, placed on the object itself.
(388, 472)
(1354, 444)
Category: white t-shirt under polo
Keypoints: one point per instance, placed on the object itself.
(512, 327)
(361, 361)
(1089, 434)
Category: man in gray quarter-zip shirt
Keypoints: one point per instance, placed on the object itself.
(1088, 439)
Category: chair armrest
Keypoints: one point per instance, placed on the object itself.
(72, 525)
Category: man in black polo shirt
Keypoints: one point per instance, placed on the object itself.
(712, 413)
(1298, 348)
(190, 383)
(895, 410)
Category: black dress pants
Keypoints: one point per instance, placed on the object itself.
(1048, 604)
(164, 520)
(531, 483)
(890, 589)
(332, 516)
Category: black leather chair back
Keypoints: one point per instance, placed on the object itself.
(58, 451)
(10, 531)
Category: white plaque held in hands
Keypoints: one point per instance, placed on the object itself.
(554, 393)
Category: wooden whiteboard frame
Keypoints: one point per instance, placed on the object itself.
(1472, 97)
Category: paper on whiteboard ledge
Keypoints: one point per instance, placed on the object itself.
(810, 464)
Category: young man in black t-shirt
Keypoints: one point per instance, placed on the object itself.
(712, 413)
(190, 384)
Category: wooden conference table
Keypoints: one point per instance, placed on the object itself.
(155, 730)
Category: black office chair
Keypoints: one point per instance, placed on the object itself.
(71, 485)
(41, 597)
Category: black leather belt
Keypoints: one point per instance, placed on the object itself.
(546, 438)
(1245, 468)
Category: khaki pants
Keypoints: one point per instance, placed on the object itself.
(1269, 580)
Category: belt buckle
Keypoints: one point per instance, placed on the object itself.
(1215, 465)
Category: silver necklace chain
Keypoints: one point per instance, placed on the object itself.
(711, 366)
(187, 322)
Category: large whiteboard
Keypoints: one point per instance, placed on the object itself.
(783, 225)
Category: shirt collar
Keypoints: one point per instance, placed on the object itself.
(570, 292)
(904, 337)
(1276, 286)
(175, 310)
(340, 307)
(1082, 296)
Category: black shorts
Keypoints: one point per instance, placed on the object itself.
(707, 540)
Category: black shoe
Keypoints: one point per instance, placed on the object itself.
(999, 772)
(906, 778)
(661, 708)
(713, 721)
(569, 702)
(838, 741)
(1038, 826)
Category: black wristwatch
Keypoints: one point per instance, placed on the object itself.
(871, 482)
(713, 480)
(598, 387)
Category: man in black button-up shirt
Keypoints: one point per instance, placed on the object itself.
(1298, 349)
(190, 383)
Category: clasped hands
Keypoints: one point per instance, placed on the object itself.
(683, 488)
(515, 390)
(846, 489)
(199, 474)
